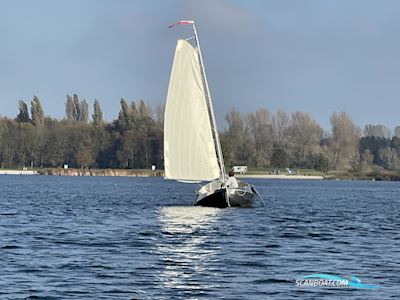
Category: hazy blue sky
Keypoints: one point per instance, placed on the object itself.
(313, 56)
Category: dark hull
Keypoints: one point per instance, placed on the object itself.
(216, 199)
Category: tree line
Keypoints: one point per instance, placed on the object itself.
(135, 139)
(295, 140)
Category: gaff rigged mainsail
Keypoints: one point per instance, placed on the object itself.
(189, 148)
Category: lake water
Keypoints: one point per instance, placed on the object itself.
(140, 238)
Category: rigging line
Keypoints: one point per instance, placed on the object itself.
(259, 196)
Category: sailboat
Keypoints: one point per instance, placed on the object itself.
(192, 148)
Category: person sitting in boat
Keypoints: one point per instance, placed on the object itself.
(232, 181)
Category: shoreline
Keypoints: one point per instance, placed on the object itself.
(288, 177)
(136, 173)
(85, 172)
(18, 172)
(160, 173)
(102, 172)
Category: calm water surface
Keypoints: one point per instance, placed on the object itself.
(140, 238)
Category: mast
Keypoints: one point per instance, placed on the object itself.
(222, 176)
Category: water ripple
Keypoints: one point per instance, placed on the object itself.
(122, 238)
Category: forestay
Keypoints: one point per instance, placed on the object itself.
(189, 149)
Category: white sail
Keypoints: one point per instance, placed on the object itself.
(189, 148)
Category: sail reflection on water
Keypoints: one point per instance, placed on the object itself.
(187, 248)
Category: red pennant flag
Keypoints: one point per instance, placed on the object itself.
(181, 23)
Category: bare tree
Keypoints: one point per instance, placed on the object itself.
(280, 123)
(260, 129)
(237, 146)
(344, 141)
(304, 136)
